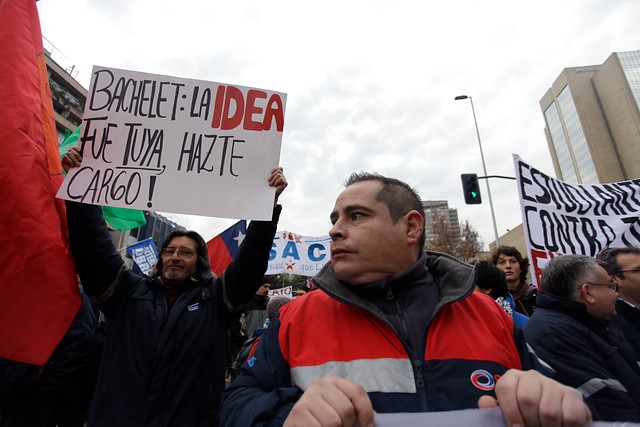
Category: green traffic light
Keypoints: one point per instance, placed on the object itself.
(471, 189)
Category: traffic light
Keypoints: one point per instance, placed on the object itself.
(471, 188)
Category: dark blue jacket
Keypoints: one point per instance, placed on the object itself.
(161, 367)
(59, 392)
(587, 355)
(628, 322)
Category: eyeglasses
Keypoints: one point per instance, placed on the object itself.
(612, 285)
(183, 253)
(631, 270)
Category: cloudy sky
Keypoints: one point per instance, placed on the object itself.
(370, 84)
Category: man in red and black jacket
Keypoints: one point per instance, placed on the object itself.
(392, 329)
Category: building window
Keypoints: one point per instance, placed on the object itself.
(560, 144)
(577, 142)
(630, 62)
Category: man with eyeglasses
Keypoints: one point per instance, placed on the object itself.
(623, 265)
(570, 331)
(164, 358)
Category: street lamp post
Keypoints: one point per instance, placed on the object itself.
(484, 168)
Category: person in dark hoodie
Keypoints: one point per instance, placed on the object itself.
(164, 358)
(491, 281)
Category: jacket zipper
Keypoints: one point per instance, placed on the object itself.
(416, 363)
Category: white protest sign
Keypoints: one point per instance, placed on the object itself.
(563, 218)
(164, 143)
(491, 417)
(282, 292)
(295, 254)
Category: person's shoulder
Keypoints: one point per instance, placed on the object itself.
(546, 321)
(627, 309)
(443, 260)
(627, 317)
(481, 306)
(481, 299)
(448, 269)
(314, 303)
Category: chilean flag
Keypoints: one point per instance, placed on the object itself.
(224, 247)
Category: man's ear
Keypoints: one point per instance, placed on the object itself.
(415, 226)
(585, 294)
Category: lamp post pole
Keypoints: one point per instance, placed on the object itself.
(484, 167)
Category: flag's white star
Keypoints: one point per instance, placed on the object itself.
(239, 238)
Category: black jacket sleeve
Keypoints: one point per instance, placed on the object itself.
(263, 394)
(97, 261)
(243, 276)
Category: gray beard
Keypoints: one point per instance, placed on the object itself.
(174, 276)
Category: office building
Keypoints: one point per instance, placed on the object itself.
(439, 209)
(592, 125)
(68, 97)
(592, 121)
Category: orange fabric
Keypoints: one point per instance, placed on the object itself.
(38, 285)
(49, 123)
(472, 329)
(340, 339)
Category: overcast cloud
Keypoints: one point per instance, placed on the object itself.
(370, 84)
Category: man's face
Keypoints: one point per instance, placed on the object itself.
(510, 266)
(366, 246)
(262, 290)
(630, 283)
(604, 296)
(176, 267)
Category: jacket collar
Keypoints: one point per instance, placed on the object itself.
(574, 309)
(454, 278)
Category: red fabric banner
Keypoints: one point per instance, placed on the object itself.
(38, 284)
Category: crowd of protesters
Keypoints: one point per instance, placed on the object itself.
(390, 328)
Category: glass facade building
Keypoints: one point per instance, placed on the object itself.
(630, 62)
(592, 118)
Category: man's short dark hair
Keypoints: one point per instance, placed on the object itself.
(491, 277)
(203, 266)
(397, 195)
(609, 258)
(564, 273)
(511, 251)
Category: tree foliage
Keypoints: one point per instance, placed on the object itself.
(470, 243)
(462, 242)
